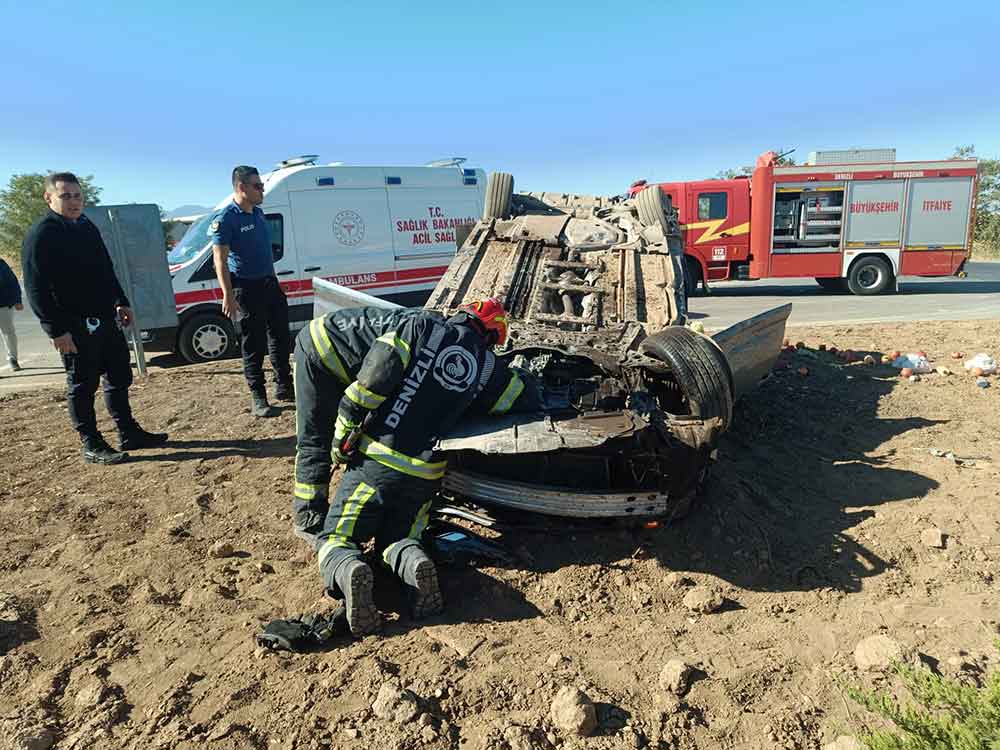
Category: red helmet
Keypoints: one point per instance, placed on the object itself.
(491, 314)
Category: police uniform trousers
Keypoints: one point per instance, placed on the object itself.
(263, 326)
(100, 352)
(373, 500)
(317, 396)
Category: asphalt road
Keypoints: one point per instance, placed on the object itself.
(946, 298)
(975, 297)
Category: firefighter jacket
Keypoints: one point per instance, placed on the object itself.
(340, 340)
(412, 387)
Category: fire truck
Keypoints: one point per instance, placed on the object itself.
(852, 220)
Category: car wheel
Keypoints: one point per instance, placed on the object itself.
(499, 190)
(832, 284)
(207, 337)
(649, 205)
(700, 369)
(692, 275)
(869, 275)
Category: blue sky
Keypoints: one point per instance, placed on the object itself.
(159, 102)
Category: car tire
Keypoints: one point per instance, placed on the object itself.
(700, 369)
(207, 337)
(692, 275)
(499, 191)
(869, 275)
(829, 284)
(649, 206)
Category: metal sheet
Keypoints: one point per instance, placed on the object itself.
(330, 297)
(752, 346)
(134, 236)
(570, 503)
(536, 433)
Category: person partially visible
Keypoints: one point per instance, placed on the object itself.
(251, 294)
(72, 287)
(10, 300)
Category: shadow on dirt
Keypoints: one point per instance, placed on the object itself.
(800, 467)
(188, 450)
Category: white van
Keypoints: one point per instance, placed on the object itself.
(388, 231)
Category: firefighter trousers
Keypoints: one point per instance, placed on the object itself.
(373, 500)
(317, 396)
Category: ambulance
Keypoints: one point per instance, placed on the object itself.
(388, 231)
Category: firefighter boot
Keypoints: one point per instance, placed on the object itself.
(419, 576)
(357, 583)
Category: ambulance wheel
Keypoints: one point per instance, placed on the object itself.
(700, 369)
(207, 337)
(499, 191)
(869, 275)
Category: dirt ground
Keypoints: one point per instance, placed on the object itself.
(119, 630)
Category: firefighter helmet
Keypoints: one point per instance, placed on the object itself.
(491, 314)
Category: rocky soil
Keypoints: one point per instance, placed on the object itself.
(851, 519)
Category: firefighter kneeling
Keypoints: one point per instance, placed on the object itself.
(412, 387)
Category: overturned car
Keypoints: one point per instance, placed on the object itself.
(632, 400)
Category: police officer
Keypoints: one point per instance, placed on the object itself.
(72, 287)
(413, 385)
(251, 295)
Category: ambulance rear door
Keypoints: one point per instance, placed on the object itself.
(341, 229)
(429, 208)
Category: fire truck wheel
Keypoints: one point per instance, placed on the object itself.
(499, 190)
(700, 369)
(692, 275)
(832, 285)
(207, 337)
(649, 204)
(869, 275)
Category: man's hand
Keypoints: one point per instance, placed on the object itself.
(18, 307)
(64, 344)
(230, 307)
(124, 315)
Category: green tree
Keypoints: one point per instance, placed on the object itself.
(22, 202)
(986, 232)
(747, 169)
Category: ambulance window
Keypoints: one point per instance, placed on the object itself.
(276, 224)
(711, 206)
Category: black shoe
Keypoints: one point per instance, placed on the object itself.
(285, 392)
(260, 407)
(137, 439)
(15, 366)
(419, 576)
(97, 451)
(357, 582)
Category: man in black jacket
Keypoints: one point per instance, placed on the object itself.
(71, 285)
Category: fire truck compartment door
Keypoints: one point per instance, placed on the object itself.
(875, 215)
(938, 212)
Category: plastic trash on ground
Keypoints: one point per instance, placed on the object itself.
(915, 362)
(984, 362)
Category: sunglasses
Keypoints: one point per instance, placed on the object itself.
(256, 185)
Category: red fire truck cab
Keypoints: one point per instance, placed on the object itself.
(857, 226)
